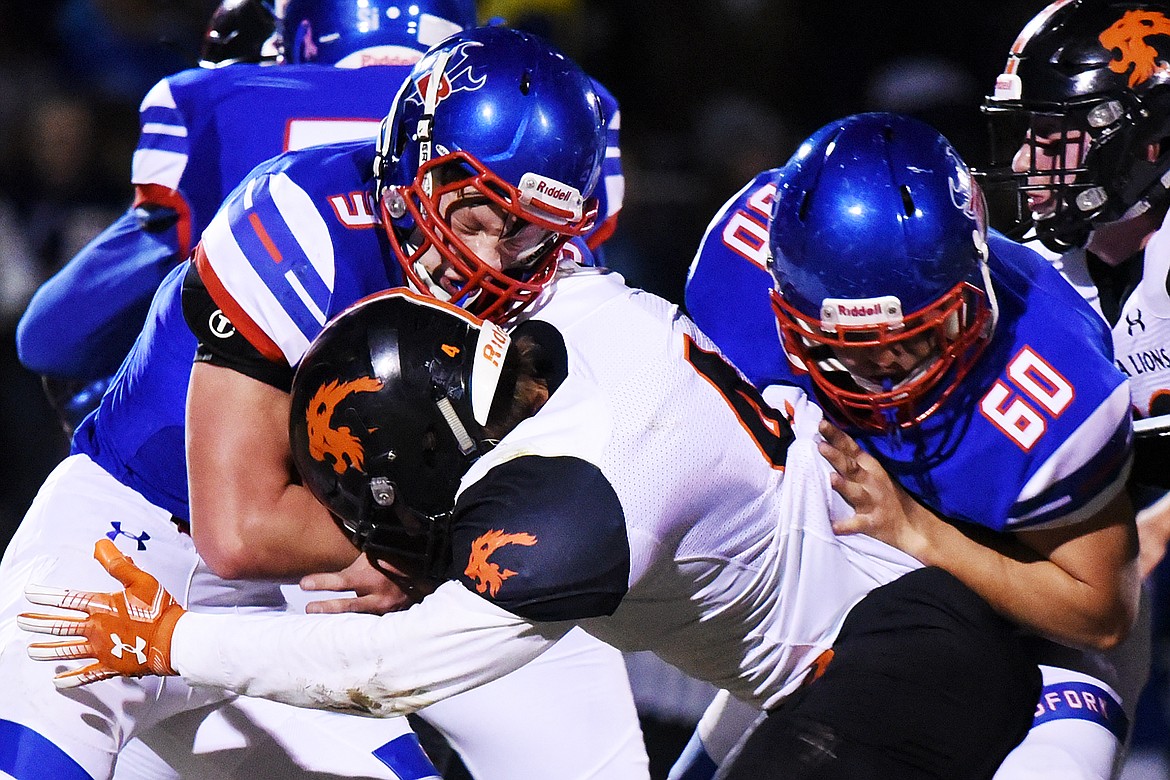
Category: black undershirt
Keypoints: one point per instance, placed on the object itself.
(1115, 283)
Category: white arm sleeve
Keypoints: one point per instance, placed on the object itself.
(384, 665)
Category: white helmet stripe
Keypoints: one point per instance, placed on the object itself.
(430, 101)
(490, 351)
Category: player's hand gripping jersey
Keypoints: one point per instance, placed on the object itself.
(137, 435)
(1036, 436)
(652, 499)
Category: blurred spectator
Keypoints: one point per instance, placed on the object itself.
(59, 178)
(56, 193)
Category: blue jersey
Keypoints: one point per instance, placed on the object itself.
(1037, 435)
(201, 132)
(137, 432)
(611, 189)
(190, 158)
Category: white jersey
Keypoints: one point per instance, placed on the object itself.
(1141, 335)
(654, 500)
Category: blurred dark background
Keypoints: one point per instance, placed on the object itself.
(712, 92)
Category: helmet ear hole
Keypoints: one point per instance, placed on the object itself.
(429, 448)
(907, 201)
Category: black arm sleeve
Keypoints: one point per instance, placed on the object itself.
(544, 538)
(220, 344)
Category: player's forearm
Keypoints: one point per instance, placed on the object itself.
(286, 537)
(1029, 589)
(249, 517)
(380, 666)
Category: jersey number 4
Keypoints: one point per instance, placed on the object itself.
(1021, 403)
(767, 427)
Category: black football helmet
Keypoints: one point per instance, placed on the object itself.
(239, 31)
(388, 408)
(1092, 74)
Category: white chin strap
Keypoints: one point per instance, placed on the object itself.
(433, 288)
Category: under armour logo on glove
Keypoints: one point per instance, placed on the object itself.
(121, 647)
(143, 610)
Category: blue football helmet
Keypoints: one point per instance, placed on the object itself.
(497, 116)
(878, 243)
(354, 33)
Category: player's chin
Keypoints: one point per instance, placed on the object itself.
(1041, 206)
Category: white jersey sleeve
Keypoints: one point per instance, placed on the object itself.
(384, 665)
(269, 255)
(163, 148)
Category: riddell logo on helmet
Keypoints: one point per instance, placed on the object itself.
(551, 197)
(380, 55)
(853, 312)
(551, 190)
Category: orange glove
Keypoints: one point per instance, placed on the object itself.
(125, 633)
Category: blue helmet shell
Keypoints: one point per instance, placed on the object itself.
(873, 205)
(509, 99)
(351, 33)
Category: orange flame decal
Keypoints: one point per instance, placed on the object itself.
(338, 444)
(487, 575)
(1128, 37)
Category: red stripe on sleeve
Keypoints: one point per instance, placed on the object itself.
(227, 304)
(265, 239)
(173, 199)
